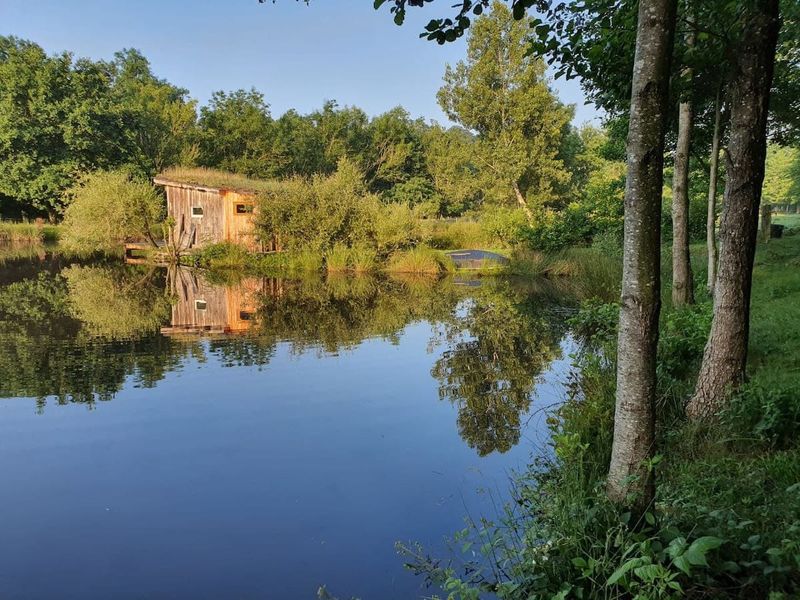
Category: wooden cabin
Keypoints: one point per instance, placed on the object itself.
(203, 308)
(208, 215)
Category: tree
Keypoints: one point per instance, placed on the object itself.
(725, 356)
(682, 284)
(159, 117)
(109, 207)
(500, 92)
(782, 176)
(630, 478)
(56, 119)
(235, 133)
(451, 166)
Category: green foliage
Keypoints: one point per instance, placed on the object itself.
(449, 234)
(396, 227)
(504, 224)
(519, 124)
(782, 176)
(337, 259)
(315, 214)
(550, 231)
(64, 117)
(109, 207)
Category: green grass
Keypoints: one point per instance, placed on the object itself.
(215, 178)
(790, 221)
(419, 260)
(27, 232)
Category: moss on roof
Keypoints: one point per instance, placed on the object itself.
(213, 178)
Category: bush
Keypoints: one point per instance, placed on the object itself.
(396, 227)
(320, 212)
(551, 232)
(363, 258)
(445, 234)
(106, 208)
(27, 232)
(505, 225)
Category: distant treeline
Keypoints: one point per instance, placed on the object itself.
(63, 117)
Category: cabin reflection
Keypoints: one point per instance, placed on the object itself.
(201, 307)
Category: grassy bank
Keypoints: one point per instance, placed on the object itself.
(727, 519)
(27, 232)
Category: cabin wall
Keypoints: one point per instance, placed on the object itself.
(199, 305)
(239, 226)
(206, 229)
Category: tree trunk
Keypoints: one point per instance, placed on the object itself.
(711, 217)
(682, 281)
(521, 201)
(682, 284)
(725, 356)
(766, 222)
(630, 479)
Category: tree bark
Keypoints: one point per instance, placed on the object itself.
(630, 479)
(725, 356)
(521, 201)
(713, 175)
(682, 281)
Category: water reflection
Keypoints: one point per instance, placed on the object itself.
(495, 351)
(79, 333)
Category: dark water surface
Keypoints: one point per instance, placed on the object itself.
(167, 435)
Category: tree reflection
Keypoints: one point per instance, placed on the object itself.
(497, 347)
(82, 334)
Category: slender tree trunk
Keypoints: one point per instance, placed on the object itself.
(682, 281)
(682, 284)
(630, 480)
(725, 357)
(713, 174)
(521, 201)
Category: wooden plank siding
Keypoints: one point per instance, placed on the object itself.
(227, 215)
(204, 308)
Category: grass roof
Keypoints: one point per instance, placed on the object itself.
(214, 178)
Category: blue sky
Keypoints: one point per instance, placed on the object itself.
(297, 55)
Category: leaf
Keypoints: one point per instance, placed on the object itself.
(623, 570)
(681, 563)
(696, 553)
(377, 4)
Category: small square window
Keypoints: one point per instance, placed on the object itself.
(245, 315)
(197, 211)
(200, 305)
(244, 209)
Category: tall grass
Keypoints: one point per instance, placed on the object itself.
(418, 260)
(27, 232)
(337, 259)
(363, 259)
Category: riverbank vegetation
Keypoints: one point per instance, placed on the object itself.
(726, 521)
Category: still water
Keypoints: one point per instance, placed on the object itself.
(171, 434)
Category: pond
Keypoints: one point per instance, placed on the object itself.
(172, 433)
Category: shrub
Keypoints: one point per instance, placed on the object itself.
(396, 227)
(27, 232)
(505, 225)
(108, 207)
(550, 231)
(458, 234)
(320, 212)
